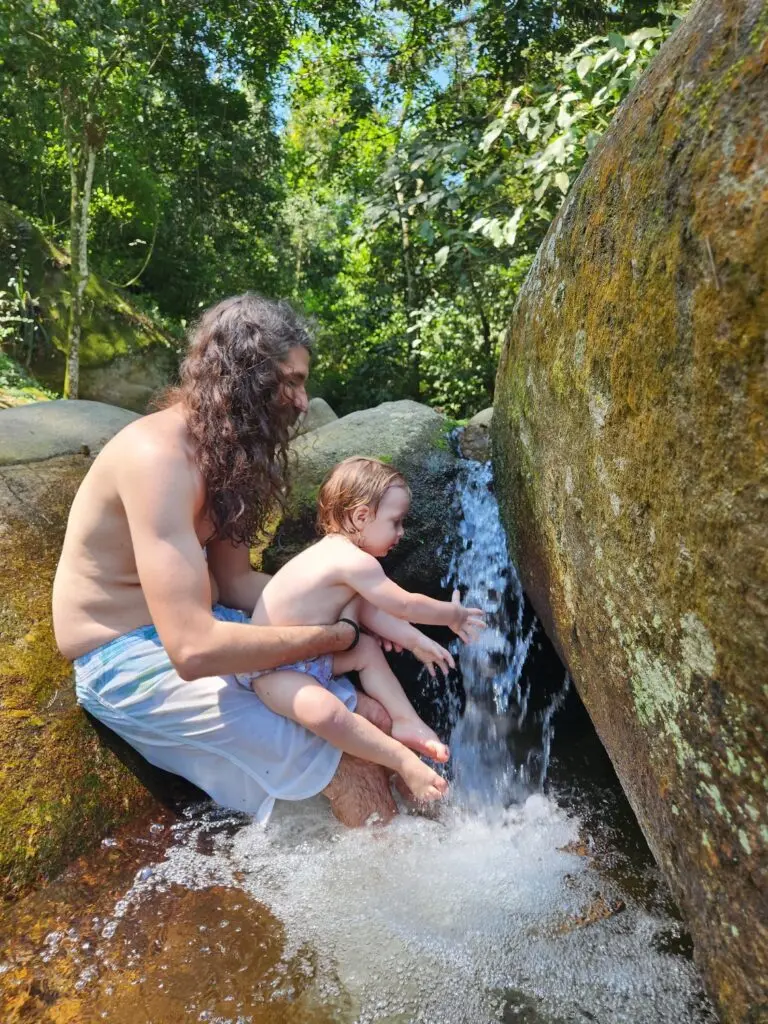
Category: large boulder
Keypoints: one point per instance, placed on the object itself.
(61, 790)
(124, 355)
(43, 430)
(632, 463)
(317, 415)
(411, 436)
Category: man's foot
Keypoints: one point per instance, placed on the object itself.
(413, 733)
(423, 782)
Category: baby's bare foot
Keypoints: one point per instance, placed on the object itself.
(423, 782)
(413, 733)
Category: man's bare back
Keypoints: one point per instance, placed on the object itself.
(97, 595)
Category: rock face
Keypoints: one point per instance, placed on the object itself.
(317, 415)
(124, 355)
(407, 434)
(475, 440)
(43, 430)
(61, 790)
(632, 461)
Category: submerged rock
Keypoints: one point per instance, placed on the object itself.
(61, 790)
(410, 436)
(632, 464)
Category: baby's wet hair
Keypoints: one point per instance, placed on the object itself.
(354, 482)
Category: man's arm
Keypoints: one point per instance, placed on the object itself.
(174, 578)
(239, 585)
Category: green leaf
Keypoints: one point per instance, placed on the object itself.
(492, 133)
(584, 67)
(542, 187)
(641, 34)
(617, 41)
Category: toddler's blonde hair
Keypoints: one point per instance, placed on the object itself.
(354, 482)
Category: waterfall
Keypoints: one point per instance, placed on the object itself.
(500, 750)
(500, 909)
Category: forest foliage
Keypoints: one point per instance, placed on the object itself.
(391, 165)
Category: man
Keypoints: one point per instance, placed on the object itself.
(154, 588)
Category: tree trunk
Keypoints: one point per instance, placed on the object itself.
(81, 179)
(410, 285)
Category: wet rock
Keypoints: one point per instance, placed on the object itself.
(411, 436)
(631, 452)
(61, 789)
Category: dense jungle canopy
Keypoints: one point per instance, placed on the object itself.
(390, 165)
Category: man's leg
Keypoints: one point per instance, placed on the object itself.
(359, 793)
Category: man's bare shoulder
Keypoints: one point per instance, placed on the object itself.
(150, 456)
(158, 440)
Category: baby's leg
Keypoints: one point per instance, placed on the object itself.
(297, 696)
(379, 681)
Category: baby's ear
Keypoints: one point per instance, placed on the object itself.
(360, 516)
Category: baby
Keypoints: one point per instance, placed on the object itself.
(361, 507)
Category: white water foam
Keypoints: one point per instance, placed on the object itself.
(455, 921)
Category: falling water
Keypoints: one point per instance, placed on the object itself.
(500, 753)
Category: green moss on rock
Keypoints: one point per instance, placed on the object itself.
(113, 327)
(60, 790)
(631, 455)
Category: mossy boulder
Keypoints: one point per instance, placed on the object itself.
(60, 789)
(412, 437)
(124, 355)
(631, 453)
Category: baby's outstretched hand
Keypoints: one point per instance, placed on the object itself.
(433, 655)
(468, 623)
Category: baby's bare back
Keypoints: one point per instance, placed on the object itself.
(310, 589)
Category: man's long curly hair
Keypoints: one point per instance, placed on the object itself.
(234, 399)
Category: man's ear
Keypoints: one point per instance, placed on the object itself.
(360, 516)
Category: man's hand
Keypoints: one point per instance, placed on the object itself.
(432, 655)
(467, 623)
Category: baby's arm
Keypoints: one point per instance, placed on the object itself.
(295, 696)
(363, 572)
(407, 636)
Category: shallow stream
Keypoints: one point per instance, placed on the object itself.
(530, 897)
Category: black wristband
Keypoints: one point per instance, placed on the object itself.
(357, 633)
